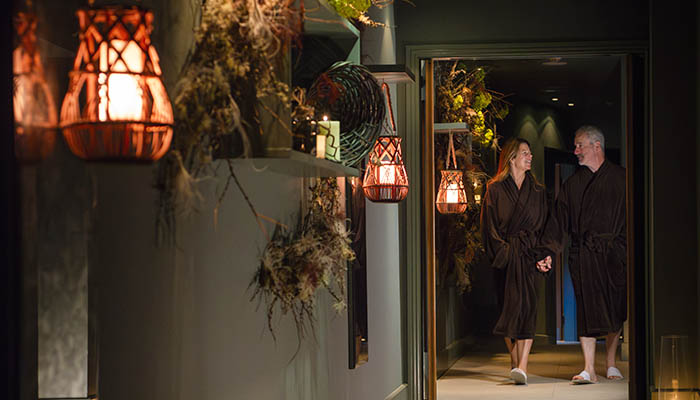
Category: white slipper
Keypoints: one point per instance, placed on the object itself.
(519, 376)
(586, 379)
(614, 374)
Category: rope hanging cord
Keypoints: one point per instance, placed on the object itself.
(385, 87)
(450, 152)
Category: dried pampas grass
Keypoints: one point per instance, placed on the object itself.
(296, 263)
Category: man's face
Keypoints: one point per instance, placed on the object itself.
(583, 148)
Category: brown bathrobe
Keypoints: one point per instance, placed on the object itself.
(511, 222)
(591, 209)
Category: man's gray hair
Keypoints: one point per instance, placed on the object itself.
(593, 133)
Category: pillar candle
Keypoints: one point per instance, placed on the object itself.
(320, 146)
(332, 130)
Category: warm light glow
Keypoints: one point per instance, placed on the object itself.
(555, 99)
(451, 197)
(571, 104)
(125, 97)
(452, 193)
(325, 118)
(116, 106)
(120, 94)
(387, 175)
(33, 107)
(477, 198)
(385, 179)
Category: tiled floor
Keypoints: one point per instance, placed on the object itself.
(486, 376)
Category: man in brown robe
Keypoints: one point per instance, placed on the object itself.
(591, 209)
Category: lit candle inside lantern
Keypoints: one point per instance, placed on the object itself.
(120, 93)
(477, 198)
(320, 146)
(452, 193)
(332, 130)
(387, 175)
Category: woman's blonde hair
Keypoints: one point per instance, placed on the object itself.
(509, 152)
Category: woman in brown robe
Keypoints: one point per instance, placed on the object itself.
(512, 218)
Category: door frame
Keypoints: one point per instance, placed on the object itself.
(416, 212)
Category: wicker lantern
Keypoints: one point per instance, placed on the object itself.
(116, 107)
(34, 108)
(385, 179)
(451, 196)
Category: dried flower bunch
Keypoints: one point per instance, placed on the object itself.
(233, 66)
(296, 263)
(462, 96)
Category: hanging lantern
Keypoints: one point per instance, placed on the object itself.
(34, 109)
(451, 196)
(116, 107)
(385, 179)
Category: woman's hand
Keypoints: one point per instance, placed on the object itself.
(545, 264)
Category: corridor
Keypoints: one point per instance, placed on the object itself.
(485, 376)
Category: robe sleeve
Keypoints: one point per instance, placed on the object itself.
(540, 251)
(553, 238)
(497, 249)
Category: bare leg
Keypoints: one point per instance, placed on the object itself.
(612, 339)
(588, 349)
(512, 350)
(523, 348)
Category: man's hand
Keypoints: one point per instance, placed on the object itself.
(545, 264)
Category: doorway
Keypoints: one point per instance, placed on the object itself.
(442, 352)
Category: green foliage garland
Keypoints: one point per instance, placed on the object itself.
(350, 8)
(462, 96)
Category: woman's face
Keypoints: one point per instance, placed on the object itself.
(523, 158)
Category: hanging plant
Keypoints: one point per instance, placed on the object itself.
(296, 263)
(462, 96)
(357, 9)
(350, 8)
(232, 69)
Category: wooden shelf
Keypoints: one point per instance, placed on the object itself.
(454, 127)
(298, 164)
(321, 19)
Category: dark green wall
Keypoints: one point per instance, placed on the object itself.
(674, 125)
(502, 21)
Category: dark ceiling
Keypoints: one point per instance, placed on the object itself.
(592, 84)
(587, 82)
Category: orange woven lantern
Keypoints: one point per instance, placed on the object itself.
(451, 196)
(116, 107)
(385, 179)
(34, 108)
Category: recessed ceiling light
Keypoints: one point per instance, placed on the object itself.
(571, 104)
(555, 98)
(554, 61)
